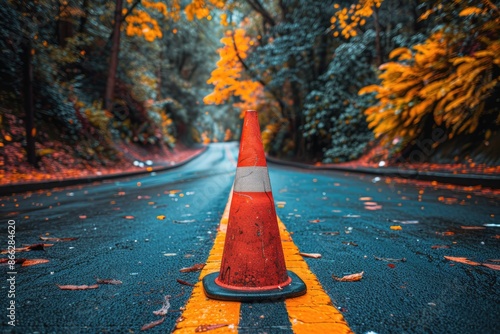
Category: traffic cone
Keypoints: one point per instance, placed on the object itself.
(253, 265)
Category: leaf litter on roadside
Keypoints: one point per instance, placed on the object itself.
(349, 278)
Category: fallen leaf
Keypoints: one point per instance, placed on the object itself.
(314, 221)
(472, 227)
(491, 266)
(462, 260)
(373, 207)
(82, 217)
(32, 262)
(365, 198)
(108, 281)
(330, 233)
(446, 233)
(184, 282)
(196, 267)
(164, 308)
(77, 287)
(128, 217)
(313, 255)
(206, 328)
(396, 228)
(187, 221)
(56, 239)
(28, 248)
(161, 217)
(386, 259)
(152, 324)
(440, 246)
(391, 265)
(349, 278)
(404, 222)
(350, 243)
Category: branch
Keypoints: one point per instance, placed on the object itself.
(257, 6)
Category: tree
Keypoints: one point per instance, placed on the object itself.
(449, 81)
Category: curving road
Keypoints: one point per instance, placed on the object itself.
(142, 230)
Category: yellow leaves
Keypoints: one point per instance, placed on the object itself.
(349, 20)
(433, 82)
(227, 78)
(471, 11)
(401, 53)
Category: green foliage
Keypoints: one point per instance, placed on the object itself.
(335, 122)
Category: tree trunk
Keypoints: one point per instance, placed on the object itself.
(377, 37)
(29, 109)
(113, 62)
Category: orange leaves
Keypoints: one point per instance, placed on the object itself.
(228, 78)
(431, 80)
(78, 287)
(349, 278)
(462, 260)
(196, 267)
(349, 19)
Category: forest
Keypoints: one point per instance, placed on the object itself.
(332, 80)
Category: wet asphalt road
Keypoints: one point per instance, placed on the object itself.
(143, 230)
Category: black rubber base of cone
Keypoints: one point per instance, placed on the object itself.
(295, 289)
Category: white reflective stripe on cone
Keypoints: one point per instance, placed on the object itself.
(252, 179)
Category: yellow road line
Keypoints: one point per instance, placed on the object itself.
(311, 313)
(314, 311)
(201, 310)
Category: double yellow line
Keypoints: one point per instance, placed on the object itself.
(310, 313)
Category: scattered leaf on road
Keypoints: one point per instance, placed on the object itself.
(196, 267)
(184, 282)
(404, 222)
(187, 221)
(161, 217)
(108, 281)
(396, 228)
(312, 255)
(492, 266)
(462, 260)
(32, 262)
(391, 265)
(350, 243)
(349, 278)
(472, 227)
(164, 308)
(440, 246)
(446, 233)
(28, 248)
(78, 287)
(152, 324)
(56, 239)
(128, 217)
(315, 221)
(330, 233)
(206, 328)
(386, 259)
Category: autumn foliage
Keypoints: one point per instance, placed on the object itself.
(447, 78)
(229, 76)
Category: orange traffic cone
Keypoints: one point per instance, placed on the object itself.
(253, 265)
